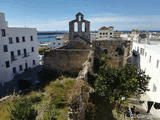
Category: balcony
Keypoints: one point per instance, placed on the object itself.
(25, 55)
(13, 58)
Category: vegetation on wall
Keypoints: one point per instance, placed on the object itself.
(113, 83)
(22, 109)
(51, 103)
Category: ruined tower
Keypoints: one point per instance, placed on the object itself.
(79, 32)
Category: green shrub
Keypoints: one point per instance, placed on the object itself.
(42, 50)
(50, 113)
(22, 110)
(35, 99)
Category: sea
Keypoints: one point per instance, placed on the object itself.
(43, 37)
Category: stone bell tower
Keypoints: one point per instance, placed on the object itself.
(79, 30)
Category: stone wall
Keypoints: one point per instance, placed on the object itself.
(65, 60)
(117, 51)
(79, 98)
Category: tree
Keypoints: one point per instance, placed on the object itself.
(120, 82)
(22, 110)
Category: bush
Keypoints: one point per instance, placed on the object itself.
(22, 110)
(50, 113)
(35, 99)
(42, 50)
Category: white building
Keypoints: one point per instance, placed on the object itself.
(148, 59)
(54, 44)
(18, 50)
(105, 33)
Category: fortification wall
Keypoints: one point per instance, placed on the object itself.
(65, 60)
(117, 51)
(80, 96)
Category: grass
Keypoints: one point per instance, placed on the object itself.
(54, 96)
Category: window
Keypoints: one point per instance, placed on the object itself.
(110, 33)
(145, 54)
(103, 33)
(14, 70)
(157, 63)
(31, 38)
(100, 33)
(142, 51)
(3, 32)
(7, 64)
(25, 53)
(59, 43)
(17, 39)
(32, 49)
(106, 33)
(150, 59)
(26, 66)
(20, 68)
(138, 49)
(13, 58)
(34, 62)
(10, 40)
(154, 88)
(18, 52)
(5, 48)
(23, 39)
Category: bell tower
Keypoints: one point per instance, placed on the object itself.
(79, 28)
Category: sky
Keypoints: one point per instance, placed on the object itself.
(51, 15)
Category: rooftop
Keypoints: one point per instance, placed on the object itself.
(106, 28)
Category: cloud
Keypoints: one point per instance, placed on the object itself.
(121, 22)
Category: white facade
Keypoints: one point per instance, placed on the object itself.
(105, 33)
(149, 61)
(18, 50)
(54, 44)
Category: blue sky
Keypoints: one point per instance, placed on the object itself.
(55, 14)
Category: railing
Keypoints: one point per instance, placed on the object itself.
(13, 58)
(25, 55)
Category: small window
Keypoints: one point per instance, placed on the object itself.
(17, 39)
(110, 33)
(14, 70)
(3, 32)
(157, 63)
(103, 33)
(34, 63)
(142, 51)
(7, 64)
(100, 33)
(18, 52)
(32, 49)
(23, 39)
(106, 33)
(145, 54)
(154, 88)
(10, 40)
(5, 48)
(59, 43)
(150, 59)
(20, 68)
(31, 38)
